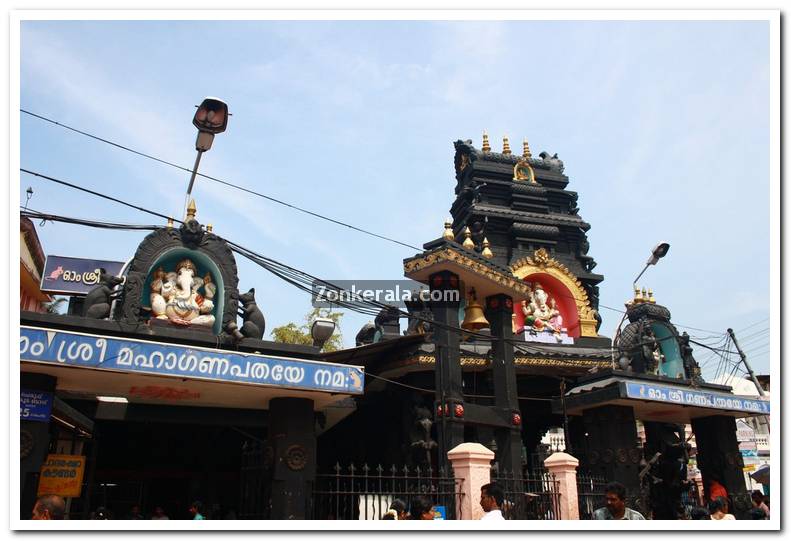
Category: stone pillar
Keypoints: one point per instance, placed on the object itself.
(564, 467)
(499, 309)
(449, 402)
(35, 438)
(292, 437)
(610, 447)
(719, 459)
(472, 464)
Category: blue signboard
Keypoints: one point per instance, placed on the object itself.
(689, 397)
(440, 513)
(73, 275)
(35, 405)
(138, 356)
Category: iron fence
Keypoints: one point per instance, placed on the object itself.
(535, 496)
(590, 492)
(364, 493)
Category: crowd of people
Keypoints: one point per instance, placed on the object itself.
(52, 507)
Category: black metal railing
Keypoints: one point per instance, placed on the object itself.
(590, 492)
(535, 496)
(364, 493)
(254, 485)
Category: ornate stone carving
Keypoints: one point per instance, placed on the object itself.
(296, 457)
(541, 262)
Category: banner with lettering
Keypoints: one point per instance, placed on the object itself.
(139, 356)
(62, 475)
(690, 397)
(74, 275)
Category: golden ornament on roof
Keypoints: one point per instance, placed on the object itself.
(448, 233)
(468, 243)
(485, 147)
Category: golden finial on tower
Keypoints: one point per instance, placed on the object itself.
(526, 150)
(506, 146)
(209, 228)
(448, 233)
(638, 298)
(468, 243)
(486, 252)
(170, 223)
(645, 295)
(191, 210)
(651, 298)
(485, 147)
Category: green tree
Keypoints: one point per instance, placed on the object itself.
(291, 333)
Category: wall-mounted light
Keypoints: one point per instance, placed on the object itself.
(321, 331)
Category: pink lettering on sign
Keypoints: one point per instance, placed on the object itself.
(163, 393)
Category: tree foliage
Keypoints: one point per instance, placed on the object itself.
(291, 333)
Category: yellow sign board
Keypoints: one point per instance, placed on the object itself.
(749, 467)
(62, 475)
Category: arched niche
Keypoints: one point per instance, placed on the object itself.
(204, 265)
(564, 298)
(210, 254)
(673, 367)
(558, 281)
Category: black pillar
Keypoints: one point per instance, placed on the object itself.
(35, 438)
(449, 402)
(292, 437)
(719, 459)
(499, 309)
(610, 446)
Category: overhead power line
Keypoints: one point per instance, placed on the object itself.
(295, 277)
(223, 182)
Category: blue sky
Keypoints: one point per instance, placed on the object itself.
(663, 128)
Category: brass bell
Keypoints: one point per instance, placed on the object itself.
(473, 315)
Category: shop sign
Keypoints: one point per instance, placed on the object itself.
(688, 397)
(62, 475)
(749, 467)
(35, 405)
(137, 356)
(74, 275)
(749, 452)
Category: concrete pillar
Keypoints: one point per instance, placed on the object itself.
(564, 467)
(472, 464)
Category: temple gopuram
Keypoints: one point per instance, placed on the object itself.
(158, 388)
(520, 352)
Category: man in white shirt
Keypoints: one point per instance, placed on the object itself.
(492, 497)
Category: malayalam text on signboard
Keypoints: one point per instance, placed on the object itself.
(62, 475)
(106, 353)
(35, 405)
(74, 275)
(689, 397)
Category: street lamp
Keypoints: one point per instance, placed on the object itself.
(659, 251)
(210, 118)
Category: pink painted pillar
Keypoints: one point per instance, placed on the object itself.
(472, 464)
(564, 467)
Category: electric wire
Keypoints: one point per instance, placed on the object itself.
(300, 279)
(270, 198)
(224, 182)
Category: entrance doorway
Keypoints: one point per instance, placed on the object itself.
(154, 464)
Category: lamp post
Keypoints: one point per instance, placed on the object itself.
(659, 251)
(210, 118)
(321, 331)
